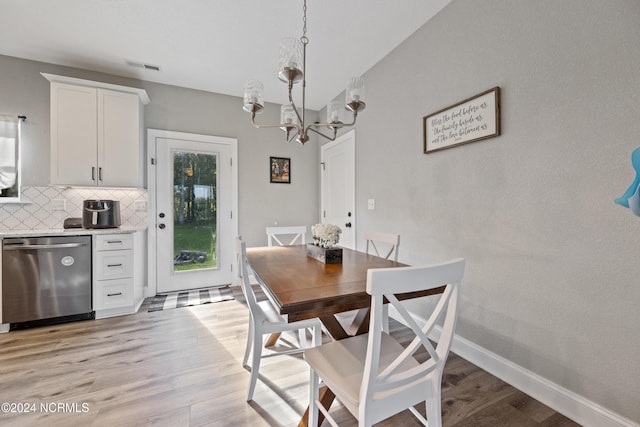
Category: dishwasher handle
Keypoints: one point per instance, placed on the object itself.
(20, 247)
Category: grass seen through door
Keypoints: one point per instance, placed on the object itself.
(195, 238)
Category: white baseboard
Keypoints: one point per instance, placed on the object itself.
(566, 402)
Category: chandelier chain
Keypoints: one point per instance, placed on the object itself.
(304, 38)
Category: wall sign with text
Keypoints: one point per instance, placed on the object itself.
(473, 119)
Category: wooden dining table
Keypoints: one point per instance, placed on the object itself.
(302, 287)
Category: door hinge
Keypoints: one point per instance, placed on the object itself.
(231, 162)
(231, 214)
(324, 214)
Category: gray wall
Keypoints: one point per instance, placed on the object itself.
(24, 91)
(553, 278)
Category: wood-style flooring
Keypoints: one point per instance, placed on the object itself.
(182, 367)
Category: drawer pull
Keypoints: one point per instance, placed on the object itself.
(114, 265)
(113, 242)
(114, 295)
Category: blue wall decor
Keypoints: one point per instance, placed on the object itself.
(631, 197)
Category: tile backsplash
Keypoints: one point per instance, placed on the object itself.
(45, 208)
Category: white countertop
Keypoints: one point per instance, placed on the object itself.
(69, 232)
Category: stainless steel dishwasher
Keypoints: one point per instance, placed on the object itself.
(46, 280)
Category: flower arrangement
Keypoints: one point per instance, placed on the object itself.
(325, 235)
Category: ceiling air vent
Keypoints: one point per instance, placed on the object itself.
(143, 65)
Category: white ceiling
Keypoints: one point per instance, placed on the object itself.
(213, 45)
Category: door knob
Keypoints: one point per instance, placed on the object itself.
(348, 225)
(162, 226)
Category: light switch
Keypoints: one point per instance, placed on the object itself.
(371, 204)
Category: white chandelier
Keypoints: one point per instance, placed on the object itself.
(291, 71)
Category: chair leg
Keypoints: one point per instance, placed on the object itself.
(433, 406)
(247, 350)
(313, 399)
(255, 362)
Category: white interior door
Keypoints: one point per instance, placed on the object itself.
(194, 210)
(338, 187)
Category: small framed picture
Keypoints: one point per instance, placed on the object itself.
(280, 170)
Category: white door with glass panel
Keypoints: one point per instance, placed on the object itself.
(196, 194)
(338, 188)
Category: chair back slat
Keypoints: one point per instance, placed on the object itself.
(388, 241)
(386, 283)
(245, 283)
(297, 231)
(422, 333)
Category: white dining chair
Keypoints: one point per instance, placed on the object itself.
(373, 375)
(276, 233)
(387, 241)
(264, 319)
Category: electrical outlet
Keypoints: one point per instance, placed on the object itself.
(371, 204)
(140, 205)
(58, 205)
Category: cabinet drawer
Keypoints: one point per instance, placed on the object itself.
(114, 293)
(114, 242)
(114, 265)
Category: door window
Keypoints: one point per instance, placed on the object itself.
(195, 211)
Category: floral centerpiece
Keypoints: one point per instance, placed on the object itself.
(325, 238)
(325, 235)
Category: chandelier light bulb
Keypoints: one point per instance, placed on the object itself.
(253, 96)
(355, 89)
(287, 115)
(355, 94)
(290, 65)
(333, 112)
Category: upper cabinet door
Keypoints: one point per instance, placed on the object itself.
(73, 135)
(96, 133)
(119, 154)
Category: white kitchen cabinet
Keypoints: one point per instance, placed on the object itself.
(114, 290)
(96, 133)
